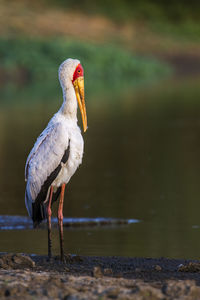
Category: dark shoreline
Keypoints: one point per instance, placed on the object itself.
(83, 277)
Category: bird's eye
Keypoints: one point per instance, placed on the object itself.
(79, 71)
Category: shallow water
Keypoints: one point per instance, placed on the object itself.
(24, 223)
(141, 162)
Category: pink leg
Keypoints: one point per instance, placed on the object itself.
(60, 221)
(49, 222)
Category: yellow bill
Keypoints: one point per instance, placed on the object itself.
(80, 95)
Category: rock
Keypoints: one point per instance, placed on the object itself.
(3, 265)
(158, 268)
(97, 272)
(112, 293)
(72, 258)
(16, 261)
(191, 267)
(107, 271)
(23, 261)
(180, 266)
(148, 292)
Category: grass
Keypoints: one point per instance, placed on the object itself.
(34, 63)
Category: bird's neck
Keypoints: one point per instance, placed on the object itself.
(69, 106)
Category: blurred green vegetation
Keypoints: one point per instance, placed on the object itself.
(175, 11)
(179, 17)
(34, 62)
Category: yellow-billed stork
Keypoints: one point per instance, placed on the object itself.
(57, 153)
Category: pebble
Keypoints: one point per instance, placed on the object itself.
(107, 271)
(158, 268)
(97, 272)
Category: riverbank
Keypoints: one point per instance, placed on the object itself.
(82, 277)
(149, 29)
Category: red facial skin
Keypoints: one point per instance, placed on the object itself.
(78, 72)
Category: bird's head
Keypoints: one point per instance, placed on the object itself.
(71, 70)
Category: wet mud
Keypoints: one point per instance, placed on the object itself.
(81, 277)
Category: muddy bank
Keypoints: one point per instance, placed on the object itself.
(81, 277)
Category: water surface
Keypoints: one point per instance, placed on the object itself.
(141, 161)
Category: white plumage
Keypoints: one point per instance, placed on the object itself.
(61, 134)
(47, 154)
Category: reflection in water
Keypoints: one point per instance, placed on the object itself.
(141, 161)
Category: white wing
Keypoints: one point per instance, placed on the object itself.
(37, 144)
(43, 159)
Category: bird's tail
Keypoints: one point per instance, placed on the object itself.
(36, 210)
(38, 213)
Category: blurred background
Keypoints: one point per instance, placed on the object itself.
(142, 148)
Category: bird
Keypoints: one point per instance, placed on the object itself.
(57, 152)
